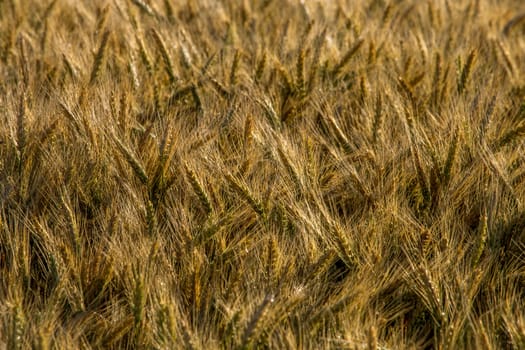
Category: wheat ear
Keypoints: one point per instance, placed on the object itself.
(168, 65)
(99, 58)
(466, 71)
(348, 56)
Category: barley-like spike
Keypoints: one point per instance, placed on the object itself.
(21, 132)
(207, 65)
(43, 339)
(48, 132)
(69, 67)
(245, 193)
(24, 64)
(184, 57)
(421, 176)
(151, 219)
(199, 190)
(348, 56)
(482, 239)
(444, 92)
(301, 86)
(72, 227)
(144, 55)
(248, 132)
(254, 325)
(509, 137)
(408, 91)
(377, 127)
(145, 8)
(132, 69)
(259, 71)
(288, 85)
(322, 264)
(290, 168)
(270, 112)
(363, 88)
(18, 325)
(344, 248)
(102, 19)
(372, 54)
(386, 14)
(47, 13)
(417, 79)
(273, 260)
(223, 92)
(425, 240)
(189, 342)
(451, 157)
(234, 68)
(168, 65)
(465, 72)
(436, 80)
(372, 338)
(196, 98)
(514, 22)
(7, 48)
(133, 162)
(431, 293)
(339, 134)
(511, 67)
(43, 38)
(487, 117)
(139, 300)
(180, 93)
(170, 12)
(123, 110)
(99, 57)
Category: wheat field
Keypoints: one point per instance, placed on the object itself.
(241, 174)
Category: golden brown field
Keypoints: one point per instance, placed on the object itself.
(262, 174)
